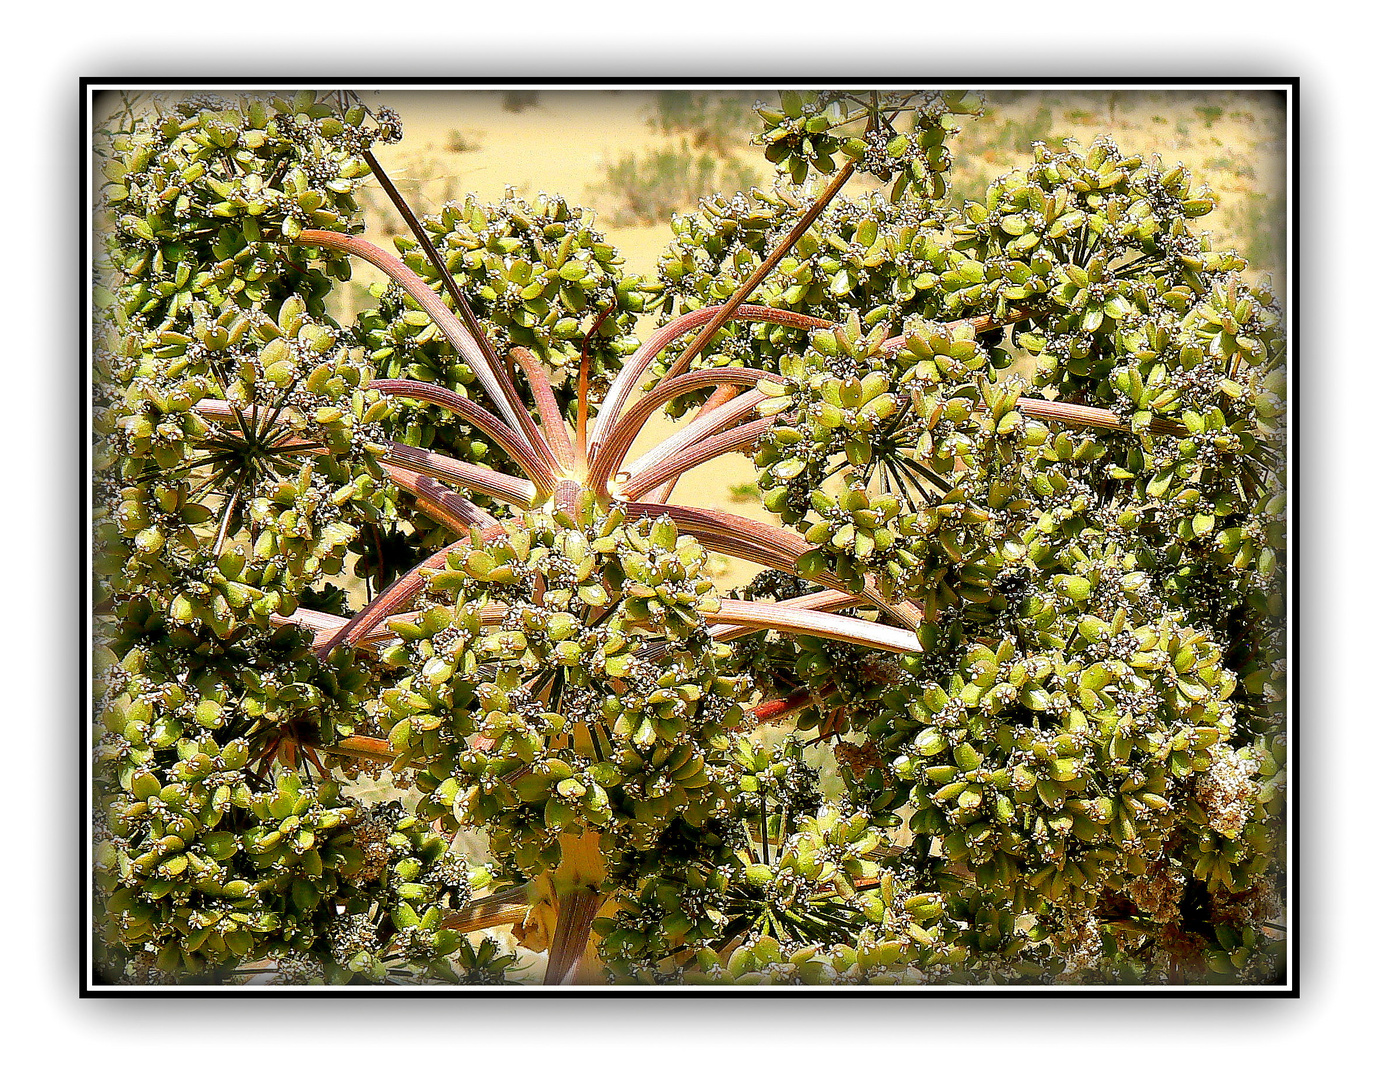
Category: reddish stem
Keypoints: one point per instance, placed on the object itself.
(582, 399)
(557, 436)
(725, 313)
(473, 413)
(400, 593)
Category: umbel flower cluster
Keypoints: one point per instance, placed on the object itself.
(1004, 705)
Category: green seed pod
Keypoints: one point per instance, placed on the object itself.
(759, 875)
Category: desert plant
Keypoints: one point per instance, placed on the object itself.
(721, 123)
(715, 130)
(1031, 610)
(462, 142)
(650, 188)
(519, 100)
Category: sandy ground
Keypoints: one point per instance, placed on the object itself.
(1233, 140)
(561, 145)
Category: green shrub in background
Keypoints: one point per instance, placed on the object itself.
(715, 132)
(1031, 610)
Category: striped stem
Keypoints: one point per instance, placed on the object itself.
(555, 432)
(769, 545)
(631, 374)
(699, 429)
(639, 482)
(532, 463)
(795, 620)
(448, 507)
(625, 431)
(492, 377)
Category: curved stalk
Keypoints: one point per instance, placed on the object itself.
(511, 905)
(399, 594)
(625, 431)
(531, 463)
(637, 364)
(663, 465)
(717, 400)
(699, 429)
(767, 616)
(491, 376)
(582, 390)
(323, 625)
(461, 305)
(638, 483)
(448, 507)
(769, 545)
(823, 600)
(631, 374)
(556, 435)
(510, 489)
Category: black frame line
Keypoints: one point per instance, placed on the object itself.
(1287, 85)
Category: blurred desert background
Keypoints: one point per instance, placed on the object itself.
(596, 146)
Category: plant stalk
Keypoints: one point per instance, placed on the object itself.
(768, 264)
(419, 231)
